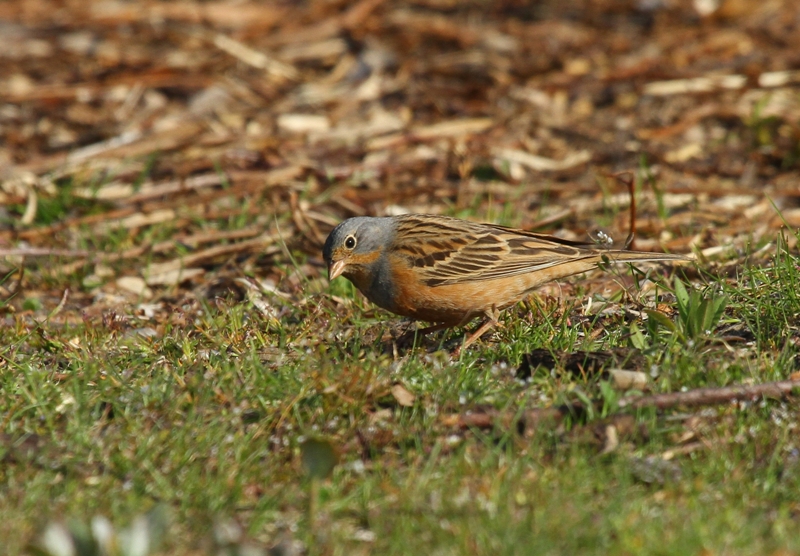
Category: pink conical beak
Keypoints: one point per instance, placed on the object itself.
(335, 269)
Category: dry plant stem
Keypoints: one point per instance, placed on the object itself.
(61, 304)
(494, 418)
(692, 398)
(43, 252)
(629, 182)
(714, 396)
(629, 244)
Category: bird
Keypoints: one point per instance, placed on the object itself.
(448, 271)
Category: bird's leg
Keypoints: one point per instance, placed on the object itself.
(434, 328)
(407, 339)
(492, 316)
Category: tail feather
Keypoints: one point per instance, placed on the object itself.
(570, 267)
(640, 256)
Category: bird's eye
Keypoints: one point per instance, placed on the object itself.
(350, 242)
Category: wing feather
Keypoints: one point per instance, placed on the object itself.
(450, 251)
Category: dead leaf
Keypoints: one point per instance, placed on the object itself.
(402, 395)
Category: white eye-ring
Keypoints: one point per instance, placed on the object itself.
(350, 242)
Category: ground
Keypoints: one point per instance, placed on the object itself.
(170, 342)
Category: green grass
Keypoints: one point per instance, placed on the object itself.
(207, 417)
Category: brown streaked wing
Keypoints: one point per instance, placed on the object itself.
(451, 251)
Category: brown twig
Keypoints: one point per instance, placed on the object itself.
(714, 396)
(630, 241)
(43, 252)
(702, 396)
(626, 177)
(524, 421)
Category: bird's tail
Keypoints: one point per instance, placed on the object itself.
(591, 261)
(617, 256)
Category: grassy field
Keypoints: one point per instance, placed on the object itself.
(204, 407)
(175, 365)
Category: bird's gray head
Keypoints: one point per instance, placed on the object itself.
(356, 242)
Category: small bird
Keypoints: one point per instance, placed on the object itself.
(449, 271)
